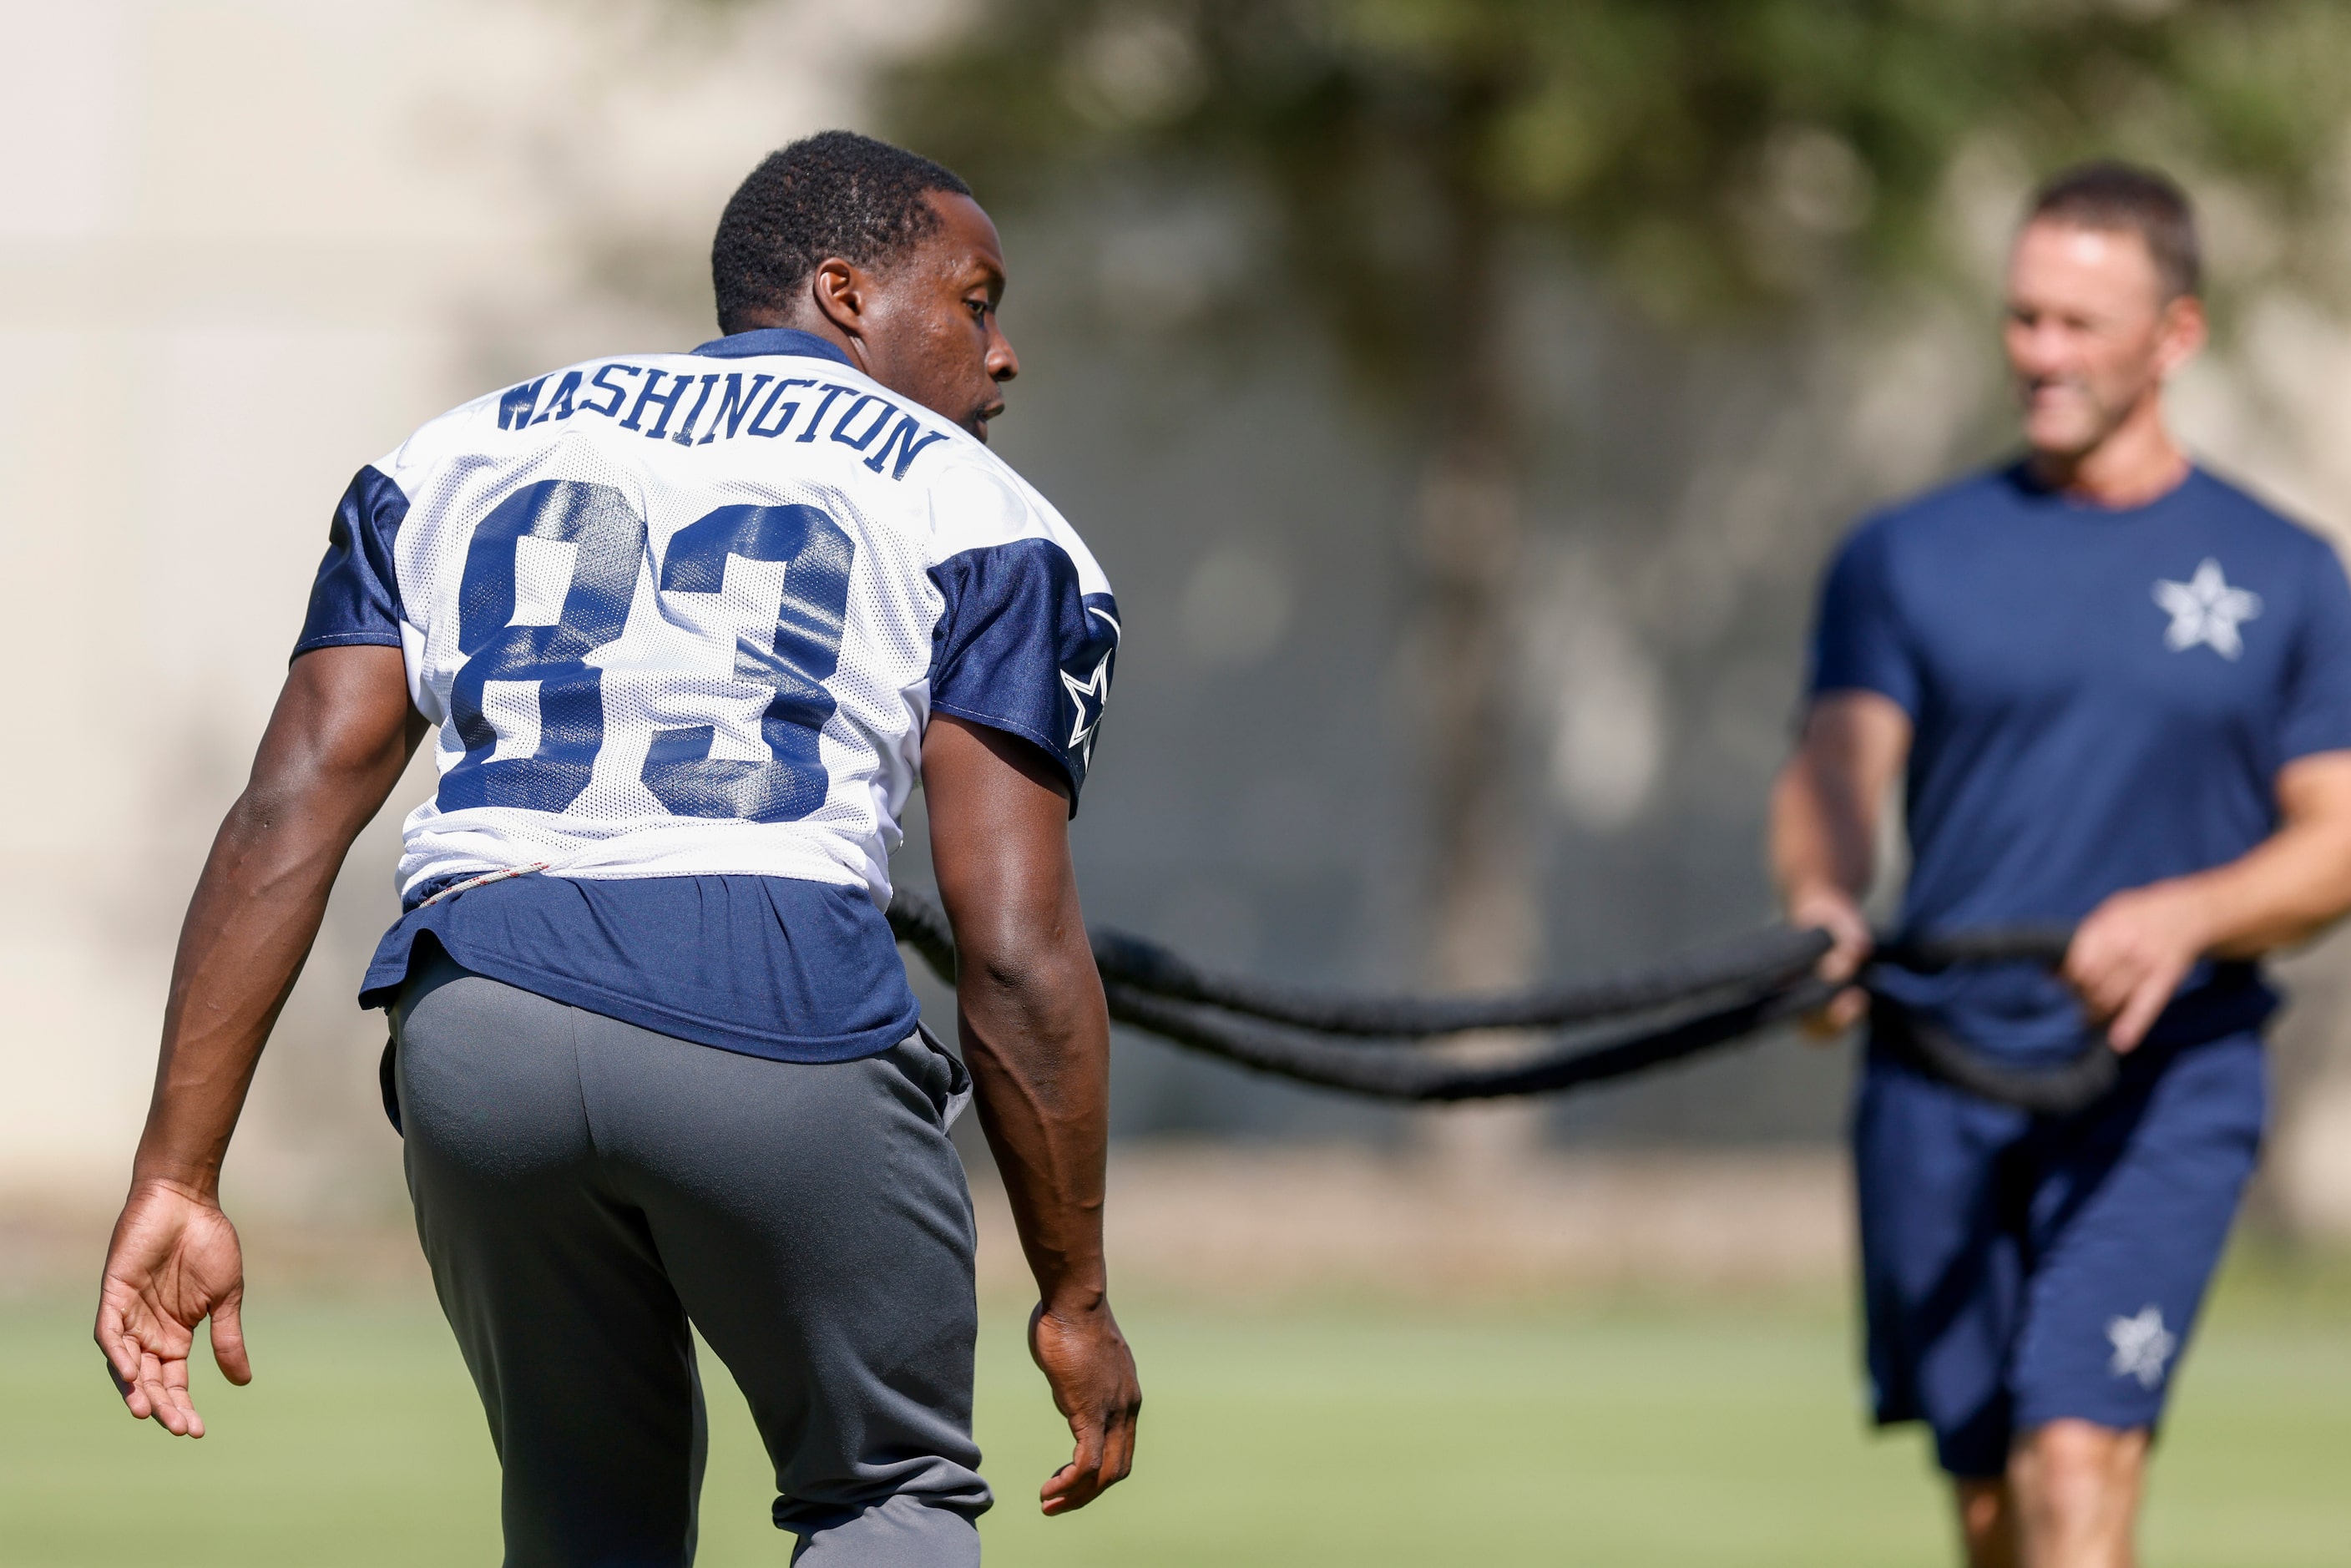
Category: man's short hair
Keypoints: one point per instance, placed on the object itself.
(833, 194)
(2116, 196)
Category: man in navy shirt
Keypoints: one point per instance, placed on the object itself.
(2117, 691)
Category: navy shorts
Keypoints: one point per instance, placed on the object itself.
(2020, 1270)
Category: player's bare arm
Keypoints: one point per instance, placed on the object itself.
(1825, 807)
(1036, 1038)
(2129, 957)
(1035, 1033)
(342, 731)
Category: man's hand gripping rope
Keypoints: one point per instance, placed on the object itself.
(1831, 910)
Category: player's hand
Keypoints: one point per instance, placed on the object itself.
(173, 1261)
(2129, 957)
(1832, 910)
(1086, 1362)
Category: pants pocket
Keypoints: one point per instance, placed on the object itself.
(949, 1091)
(387, 1081)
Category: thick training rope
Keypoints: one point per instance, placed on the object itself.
(1769, 960)
(2057, 1091)
(1416, 1073)
(1716, 999)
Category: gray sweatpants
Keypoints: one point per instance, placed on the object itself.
(584, 1188)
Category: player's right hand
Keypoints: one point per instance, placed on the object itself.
(1834, 911)
(173, 1261)
(1090, 1371)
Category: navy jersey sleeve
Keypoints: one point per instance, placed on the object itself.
(1021, 649)
(1858, 642)
(355, 600)
(2316, 716)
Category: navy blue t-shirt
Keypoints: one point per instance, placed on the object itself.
(2100, 699)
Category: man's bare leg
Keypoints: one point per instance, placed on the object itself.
(1987, 1522)
(2074, 1489)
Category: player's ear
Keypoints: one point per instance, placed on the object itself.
(843, 292)
(2184, 331)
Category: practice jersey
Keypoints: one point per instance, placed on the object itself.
(679, 621)
(2099, 699)
(682, 614)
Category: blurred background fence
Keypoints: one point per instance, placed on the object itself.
(1462, 398)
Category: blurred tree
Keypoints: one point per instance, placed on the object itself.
(1707, 158)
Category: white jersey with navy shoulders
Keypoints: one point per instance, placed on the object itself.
(687, 615)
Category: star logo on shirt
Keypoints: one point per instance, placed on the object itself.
(2205, 611)
(1089, 695)
(2142, 1345)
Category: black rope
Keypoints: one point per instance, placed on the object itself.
(1416, 1073)
(923, 926)
(2056, 1091)
(1723, 998)
(2059, 1090)
(1768, 960)
(1775, 958)
(2006, 944)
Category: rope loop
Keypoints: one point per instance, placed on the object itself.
(1705, 1001)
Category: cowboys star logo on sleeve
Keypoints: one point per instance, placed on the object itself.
(1092, 695)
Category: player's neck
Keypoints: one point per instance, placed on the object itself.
(816, 325)
(2137, 464)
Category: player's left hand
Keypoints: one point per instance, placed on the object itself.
(2129, 957)
(1086, 1362)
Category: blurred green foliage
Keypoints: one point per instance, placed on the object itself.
(1706, 157)
(1391, 172)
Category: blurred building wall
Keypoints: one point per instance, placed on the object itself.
(244, 249)
(247, 247)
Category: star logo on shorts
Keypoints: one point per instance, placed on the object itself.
(2206, 611)
(2142, 1345)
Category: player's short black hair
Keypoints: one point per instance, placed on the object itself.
(833, 194)
(2126, 196)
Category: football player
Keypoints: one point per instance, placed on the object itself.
(684, 630)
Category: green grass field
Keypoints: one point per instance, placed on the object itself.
(1680, 1433)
